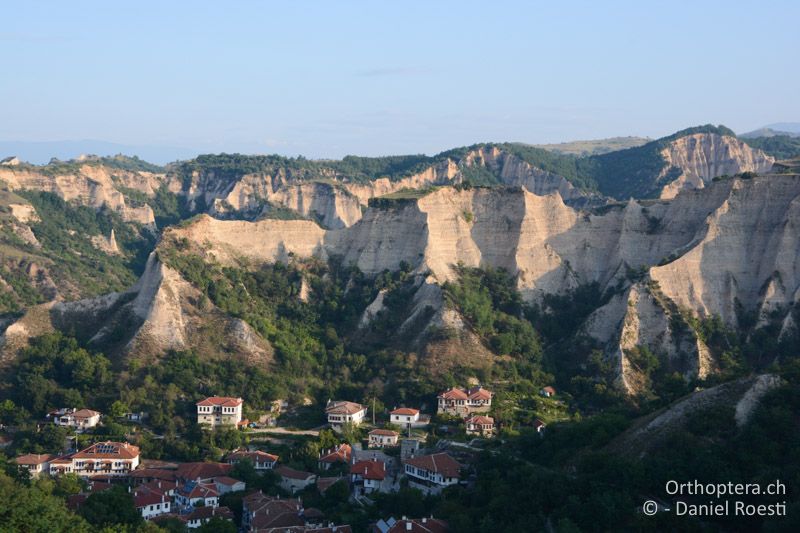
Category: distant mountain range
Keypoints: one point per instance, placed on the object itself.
(41, 152)
(790, 129)
(595, 146)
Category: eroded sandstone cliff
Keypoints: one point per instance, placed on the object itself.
(724, 250)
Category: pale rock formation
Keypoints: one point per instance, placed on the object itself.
(337, 203)
(161, 312)
(745, 252)
(25, 213)
(268, 240)
(305, 290)
(703, 156)
(91, 185)
(714, 251)
(24, 232)
(749, 402)
(372, 309)
(514, 171)
(106, 244)
(17, 333)
(742, 395)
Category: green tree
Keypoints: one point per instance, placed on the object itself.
(118, 409)
(111, 507)
(30, 509)
(217, 525)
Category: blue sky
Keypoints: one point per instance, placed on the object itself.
(325, 79)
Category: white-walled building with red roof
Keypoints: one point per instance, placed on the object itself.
(35, 463)
(432, 473)
(480, 425)
(378, 438)
(340, 413)
(464, 402)
(367, 476)
(100, 459)
(80, 419)
(219, 411)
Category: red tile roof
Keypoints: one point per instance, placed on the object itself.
(405, 411)
(146, 497)
(33, 459)
(479, 393)
(224, 401)
(454, 394)
(291, 473)
(267, 512)
(154, 473)
(440, 463)
(339, 454)
(324, 483)
(538, 424)
(108, 450)
(194, 471)
(98, 486)
(207, 513)
(480, 419)
(549, 390)
(85, 413)
(374, 470)
(256, 456)
(161, 485)
(199, 490)
(343, 408)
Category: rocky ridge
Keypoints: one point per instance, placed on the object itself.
(714, 251)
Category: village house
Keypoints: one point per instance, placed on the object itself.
(480, 425)
(265, 513)
(80, 419)
(217, 411)
(367, 476)
(432, 473)
(197, 494)
(340, 453)
(227, 484)
(100, 459)
(539, 426)
(144, 476)
(548, 392)
(294, 481)
(341, 413)
(464, 402)
(413, 525)
(36, 464)
(203, 515)
(261, 460)
(406, 417)
(202, 472)
(378, 438)
(151, 503)
(163, 486)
